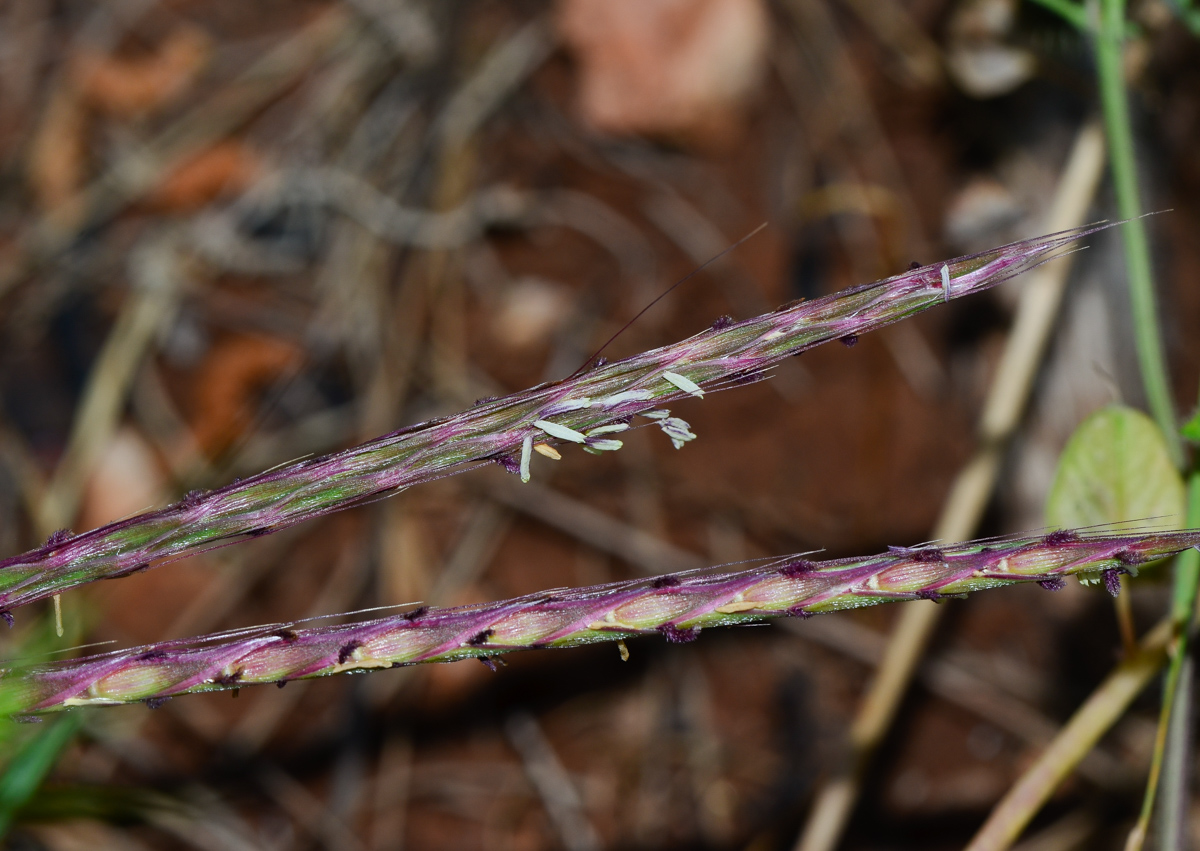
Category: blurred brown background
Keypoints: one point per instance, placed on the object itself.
(235, 234)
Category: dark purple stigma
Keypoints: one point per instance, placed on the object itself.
(150, 655)
(509, 463)
(287, 635)
(1112, 582)
(489, 662)
(799, 612)
(1130, 557)
(914, 266)
(796, 569)
(849, 341)
(599, 362)
(722, 322)
(930, 595)
(665, 582)
(675, 635)
(926, 555)
(281, 683)
(348, 650)
(415, 614)
(481, 637)
(156, 702)
(58, 537)
(8, 618)
(484, 401)
(191, 499)
(1053, 583)
(229, 680)
(1060, 537)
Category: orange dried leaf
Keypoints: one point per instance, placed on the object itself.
(128, 88)
(226, 168)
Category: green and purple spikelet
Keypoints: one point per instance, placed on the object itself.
(588, 409)
(676, 606)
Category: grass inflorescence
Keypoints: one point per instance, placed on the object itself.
(588, 409)
(675, 606)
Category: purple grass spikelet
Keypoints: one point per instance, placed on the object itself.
(566, 410)
(1112, 582)
(568, 618)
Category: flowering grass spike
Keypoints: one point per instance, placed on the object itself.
(675, 606)
(505, 430)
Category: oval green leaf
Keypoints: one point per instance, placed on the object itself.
(1116, 470)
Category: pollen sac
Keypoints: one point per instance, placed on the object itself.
(684, 383)
(678, 430)
(560, 431)
(526, 454)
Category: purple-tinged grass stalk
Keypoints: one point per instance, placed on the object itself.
(588, 409)
(676, 606)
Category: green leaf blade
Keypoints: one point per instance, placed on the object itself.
(1116, 470)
